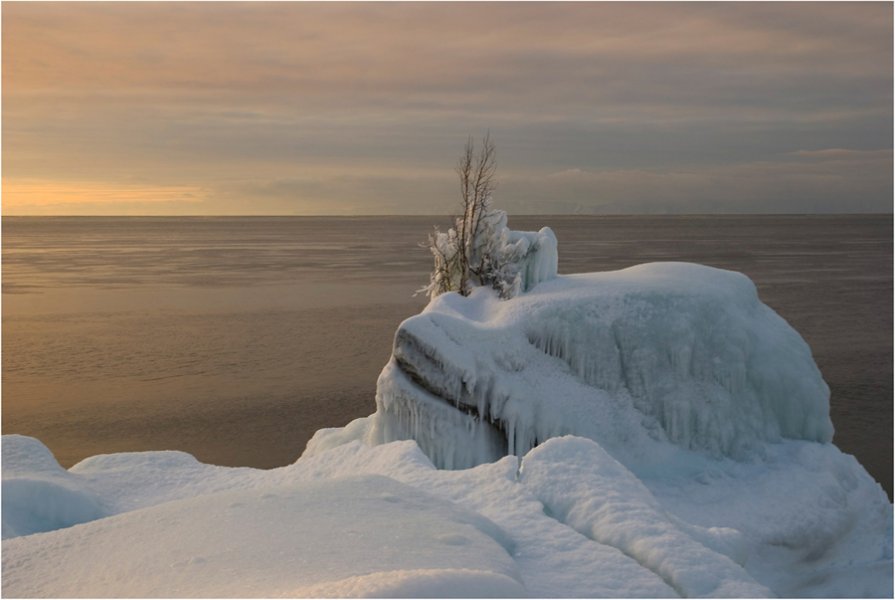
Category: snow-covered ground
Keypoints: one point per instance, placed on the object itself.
(567, 520)
(652, 432)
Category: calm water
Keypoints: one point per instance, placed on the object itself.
(235, 339)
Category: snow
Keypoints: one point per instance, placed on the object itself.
(651, 432)
(243, 544)
(567, 520)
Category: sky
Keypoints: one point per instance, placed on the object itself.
(283, 108)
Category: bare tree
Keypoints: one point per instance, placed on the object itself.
(477, 184)
(461, 255)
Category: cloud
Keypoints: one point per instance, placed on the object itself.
(845, 154)
(215, 96)
(829, 181)
(471, 58)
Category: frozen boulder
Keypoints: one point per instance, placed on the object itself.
(667, 352)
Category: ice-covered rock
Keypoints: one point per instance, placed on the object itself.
(663, 351)
(709, 461)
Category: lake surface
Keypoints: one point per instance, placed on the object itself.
(234, 339)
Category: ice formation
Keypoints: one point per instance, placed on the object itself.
(38, 494)
(659, 352)
(651, 432)
(523, 259)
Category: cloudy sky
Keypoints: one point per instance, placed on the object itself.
(343, 108)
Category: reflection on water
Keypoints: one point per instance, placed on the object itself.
(236, 338)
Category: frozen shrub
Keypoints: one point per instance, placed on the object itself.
(480, 250)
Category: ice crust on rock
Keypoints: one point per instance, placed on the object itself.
(667, 351)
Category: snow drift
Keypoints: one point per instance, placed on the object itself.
(651, 432)
(567, 520)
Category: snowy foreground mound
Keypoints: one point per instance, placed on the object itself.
(653, 432)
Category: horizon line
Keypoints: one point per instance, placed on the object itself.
(397, 215)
